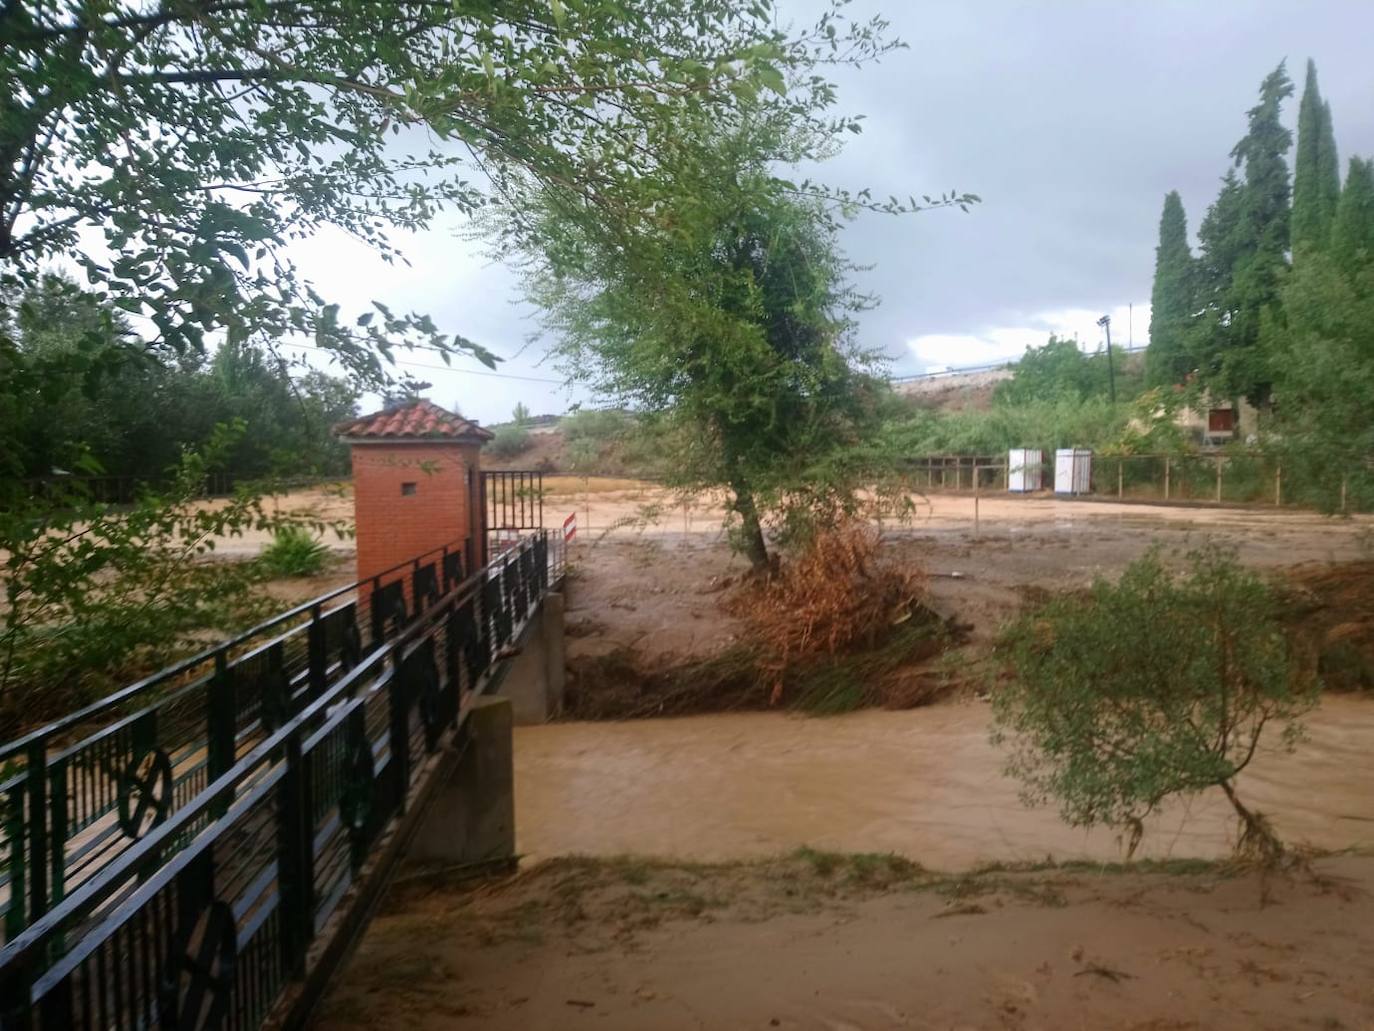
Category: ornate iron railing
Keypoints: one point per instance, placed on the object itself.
(204, 919)
(78, 792)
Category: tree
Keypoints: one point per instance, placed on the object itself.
(1244, 243)
(1324, 359)
(198, 139)
(1352, 234)
(1150, 687)
(143, 408)
(520, 415)
(1058, 370)
(1172, 300)
(1316, 178)
(729, 321)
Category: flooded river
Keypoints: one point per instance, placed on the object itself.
(924, 783)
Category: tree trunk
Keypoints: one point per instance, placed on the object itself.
(1257, 838)
(751, 529)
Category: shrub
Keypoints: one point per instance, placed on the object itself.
(1150, 687)
(95, 596)
(509, 441)
(600, 425)
(294, 551)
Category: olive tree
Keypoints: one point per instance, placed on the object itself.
(1153, 686)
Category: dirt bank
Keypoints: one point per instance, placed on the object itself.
(644, 604)
(925, 783)
(828, 942)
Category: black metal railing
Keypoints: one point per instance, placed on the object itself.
(513, 504)
(78, 792)
(204, 919)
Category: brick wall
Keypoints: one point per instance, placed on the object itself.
(410, 498)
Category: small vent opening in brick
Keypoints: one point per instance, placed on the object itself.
(407, 488)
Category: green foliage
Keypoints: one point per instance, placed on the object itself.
(601, 425)
(1324, 365)
(1352, 235)
(509, 440)
(294, 551)
(605, 440)
(1172, 299)
(105, 397)
(1062, 422)
(727, 325)
(96, 596)
(1059, 370)
(1244, 243)
(521, 414)
(199, 139)
(1316, 174)
(1153, 686)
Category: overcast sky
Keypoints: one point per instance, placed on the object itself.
(1071, 120)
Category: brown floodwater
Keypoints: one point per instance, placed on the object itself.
(925, 783)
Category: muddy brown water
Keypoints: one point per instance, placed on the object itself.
(925, 783)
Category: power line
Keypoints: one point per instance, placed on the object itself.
(445, 368)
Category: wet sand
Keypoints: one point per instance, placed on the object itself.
(924, 783)
(828, 944)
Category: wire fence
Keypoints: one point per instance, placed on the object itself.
(1237, 478)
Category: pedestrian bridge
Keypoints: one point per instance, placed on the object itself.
(199, 849)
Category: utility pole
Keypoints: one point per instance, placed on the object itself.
(1106, 323)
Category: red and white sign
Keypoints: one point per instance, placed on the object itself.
(570, 527)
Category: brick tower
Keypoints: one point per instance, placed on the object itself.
(416, 484)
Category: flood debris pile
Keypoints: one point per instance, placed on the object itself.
(1331, 608)
(840, 627)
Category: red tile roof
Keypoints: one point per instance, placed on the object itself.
(414, 420)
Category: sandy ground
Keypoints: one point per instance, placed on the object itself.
(818, 942)
(653, 585)
(331, 504)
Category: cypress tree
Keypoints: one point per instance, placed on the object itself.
(1171, 301)
(1328, 165)
(1352, 233)
(1317, 178)
(1260, 245)
(1214, 273)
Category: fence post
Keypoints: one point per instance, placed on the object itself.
(57, 834)
(398, 698)
(1120, 481)
(1278, 484)
(1166, 477)
(295, 858)
(1218, 479)
(221, 729)
(37, 776)
(1345, 479)
(317, 651)
(975, 502)
(15, 916)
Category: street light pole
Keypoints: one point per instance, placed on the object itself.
(1106, 323)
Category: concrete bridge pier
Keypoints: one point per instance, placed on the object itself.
(470, 819)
